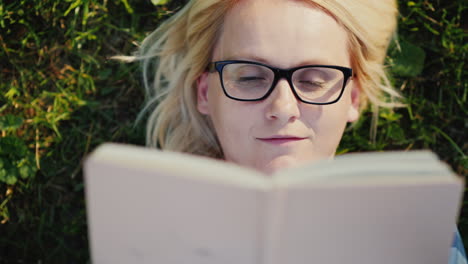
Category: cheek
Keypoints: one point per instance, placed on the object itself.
(228, 116)
(234, 131)
(232, 120)
(327, 122)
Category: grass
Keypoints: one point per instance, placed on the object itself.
(61, 96)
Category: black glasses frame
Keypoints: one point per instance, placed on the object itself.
(280, 74)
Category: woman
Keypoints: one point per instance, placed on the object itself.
(267, 84)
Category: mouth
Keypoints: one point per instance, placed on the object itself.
(280, 140)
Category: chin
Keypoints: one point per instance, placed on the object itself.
(279, 163)
(284, 162)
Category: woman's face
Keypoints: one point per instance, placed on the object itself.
(279, 131)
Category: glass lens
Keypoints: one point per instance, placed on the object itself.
(318, 84)
(247, 81)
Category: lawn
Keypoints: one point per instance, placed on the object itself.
(61, 96)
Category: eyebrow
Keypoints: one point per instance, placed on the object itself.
(251, 57)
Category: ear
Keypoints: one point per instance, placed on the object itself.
(202, 94)
(353, 111)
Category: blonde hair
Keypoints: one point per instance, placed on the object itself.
(177, 53)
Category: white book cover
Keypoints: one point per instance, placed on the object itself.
(151, 206)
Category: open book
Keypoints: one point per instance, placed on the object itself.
(150, 206)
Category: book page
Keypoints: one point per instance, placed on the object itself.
(139, 214)
(367, 225)
(385, 218)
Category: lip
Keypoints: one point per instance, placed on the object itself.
(281, 140)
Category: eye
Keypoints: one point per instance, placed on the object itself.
(250, 78)
(251, 75)
(251, 82)
(247, 76)
(312, 84)
(314, 79)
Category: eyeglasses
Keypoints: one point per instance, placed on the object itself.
(253, 81)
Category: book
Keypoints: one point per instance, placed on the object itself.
(151, 206)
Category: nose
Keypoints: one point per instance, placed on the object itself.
(283, 105)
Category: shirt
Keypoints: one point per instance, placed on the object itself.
(457, 253)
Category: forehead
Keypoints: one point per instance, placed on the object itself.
(283, 33)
